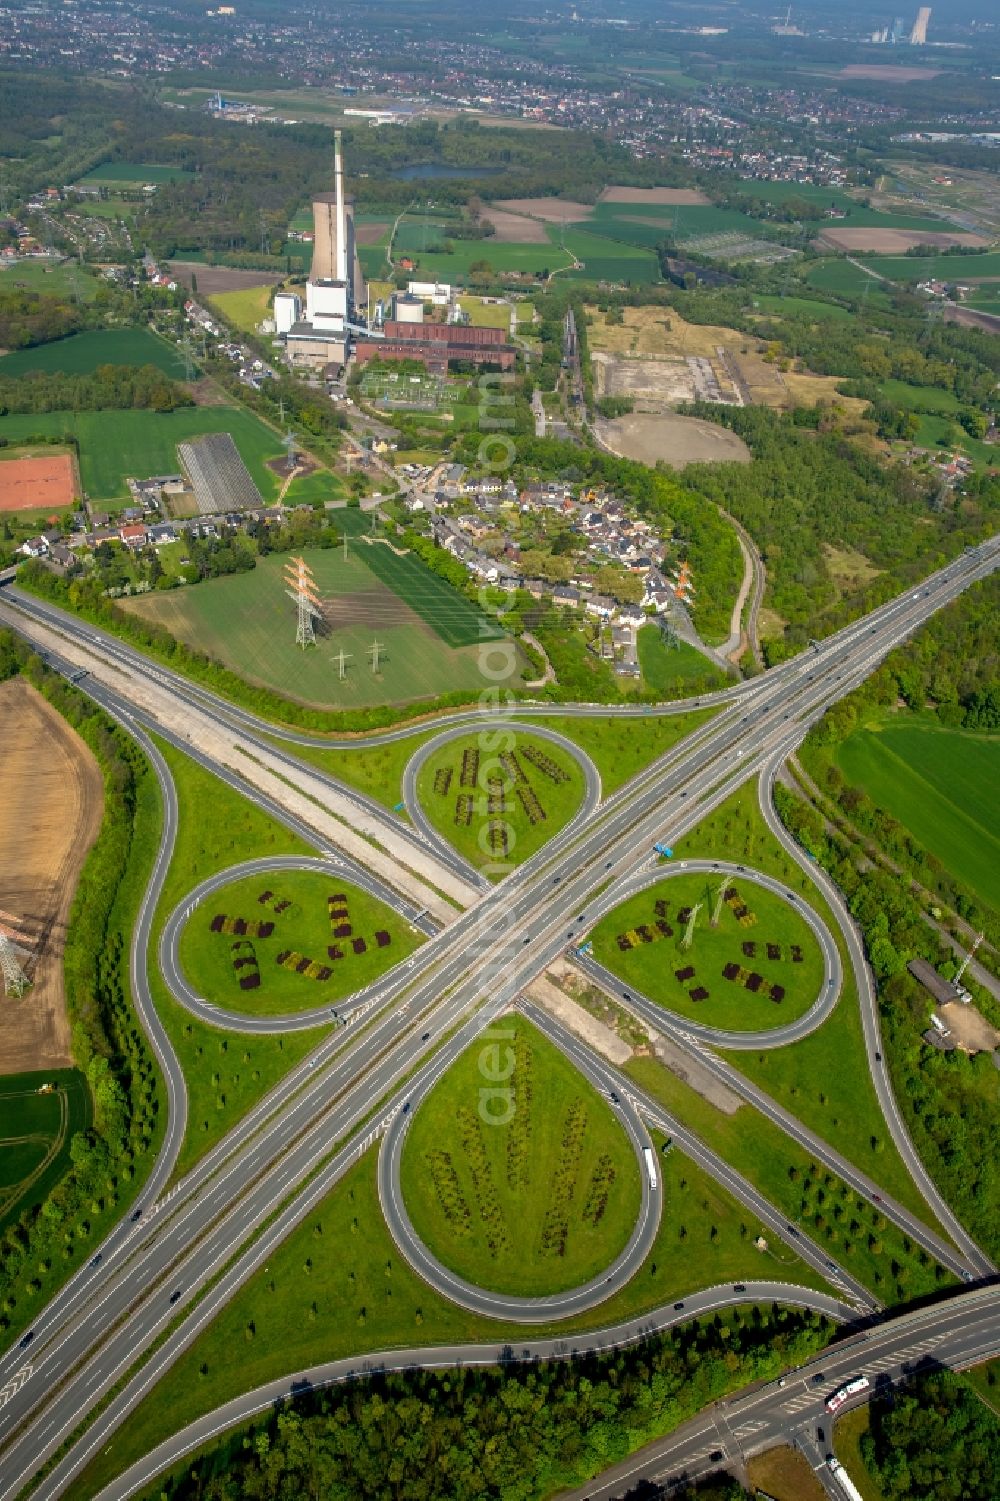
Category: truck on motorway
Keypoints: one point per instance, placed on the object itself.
(842, 1480)
(840, 1396)
(650, 1161)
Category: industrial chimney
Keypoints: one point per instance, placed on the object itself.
(338, 170)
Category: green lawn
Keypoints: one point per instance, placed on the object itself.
(605, 259)
(133, 173)
(376, 770)
(789, 982)
(454, 266)
(858, 1237)
(82, 353)
(245, 308)
(847, 1436)
(338, 1286)
(621, 747)
(528, 1205)
(845, 280)
(667, 670)
(273, 964)
(807, 307)
(226, 1074)
(942, 434)
(114, 445)
(35, 1133)
(57, 279)
(247, 622)
(824, 1079)
(933, 781)
(532, 801)
(920, 398)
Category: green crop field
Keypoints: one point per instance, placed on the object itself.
(845, 280)
(961, 268)
(57, 279)
(919, 398)
(82, 353)
(35, 1133)
(529, 1192)
(604, 259)
(758, 933)
(247, 622)
(134, 174)
(496, 812)
(116, 444)
(246, 308)
(454, 266)
(290, 941)
(932, 780)
(806, 307)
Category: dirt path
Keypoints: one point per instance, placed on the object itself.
(54, 796)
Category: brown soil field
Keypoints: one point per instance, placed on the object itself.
(515, 229)
(552, 210)
(370, 234)
(37, 484)
(886, 73)
(674, 439)
(897, 241)
(786, 1475)
(221, 278)
(55, 784)
(690, 196)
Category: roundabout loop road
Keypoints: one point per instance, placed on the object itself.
(493, 728)
(773, 1037)
(293, 1021)
(538, 1310)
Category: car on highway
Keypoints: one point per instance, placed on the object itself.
(175, 1295)
(678, 1307)
(739, 1287)
(425, 1036)
(25, 1340)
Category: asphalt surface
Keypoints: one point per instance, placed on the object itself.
(477, 966)
(955, 1333)
(526, 1310)
(329, 1013)
(502, 733)
(657, 1014)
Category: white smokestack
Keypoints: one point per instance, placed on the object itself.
(338, 172)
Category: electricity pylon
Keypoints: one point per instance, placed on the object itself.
(301, 588)
(689, 929)
(14, 979)
(342, 657)
(720, 897)
(374, 651)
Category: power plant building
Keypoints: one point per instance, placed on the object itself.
(438, 345)
(335, 286)
(918, 36)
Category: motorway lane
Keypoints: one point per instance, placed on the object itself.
(443, 1357)
(897, 620)
(522, 1310)
(654, 1013)
(294, 1021)
(956, 1333)
(502, 736)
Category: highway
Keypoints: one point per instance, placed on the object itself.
(460, 978)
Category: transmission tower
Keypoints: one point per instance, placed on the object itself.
(375, 652)
(342, 657)
(187, 355)
(290, 444)
(689, 929)
(14, 978)
(301, 588)
(967, 960)
(720, 897)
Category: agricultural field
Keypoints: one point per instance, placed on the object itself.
(133, 174)
(498, 809)
(453, 266)
(246, 621)
(81, 354)
(35, 1132)
(290, 941)
(609, 260)
(882, 241)
(116, 444)
(55, 783)
(932, 780)
(960, 268)
(528, 1205)
(760, 967)
(843, 279)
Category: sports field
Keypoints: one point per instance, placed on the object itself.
(116, 444)
(46, 482)
(500, 804)
(247, 622)
(528, 1198)
(290, 941)
(82, 353)
(934, 782)
(761, 967)
(35, 1133)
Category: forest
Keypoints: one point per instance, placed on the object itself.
(119, 388)
(28, 318)
(809, 490)
(934, 1441)
(508, 1433)
(108, 1046)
